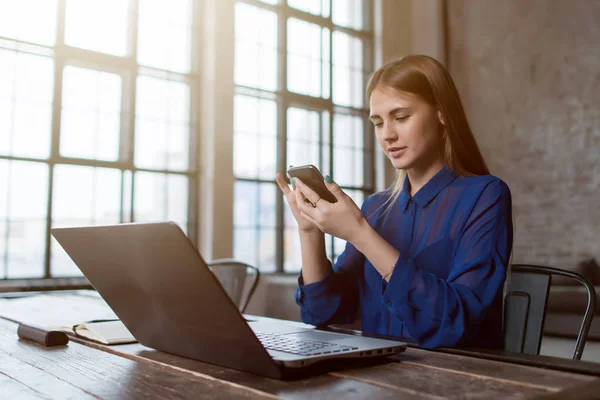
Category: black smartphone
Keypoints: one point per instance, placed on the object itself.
(310, 175)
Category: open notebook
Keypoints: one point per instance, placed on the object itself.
(106, 332)
(63, 311)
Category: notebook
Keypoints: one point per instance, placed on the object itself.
(106, 332)
(63, 311)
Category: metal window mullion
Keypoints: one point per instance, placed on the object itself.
(7, 220)
(194, 125)
(59, 64)
(282, 104)
(128, 120)
(331, 112)
(367, 42)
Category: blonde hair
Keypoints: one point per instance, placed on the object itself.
(429, 80)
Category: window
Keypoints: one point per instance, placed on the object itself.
(95, 123)
(300, 71)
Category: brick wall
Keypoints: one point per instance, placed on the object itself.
(529, 76)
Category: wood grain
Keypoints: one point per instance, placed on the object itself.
(526, 375)
(441, 383)
(78, 371)
(403, 379)
(88, 370)
(13, 389)
(313, 387)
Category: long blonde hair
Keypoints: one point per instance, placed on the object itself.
(428, 79)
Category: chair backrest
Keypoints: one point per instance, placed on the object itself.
(525, 303)
(232, 275)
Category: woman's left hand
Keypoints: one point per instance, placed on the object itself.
(342, 219)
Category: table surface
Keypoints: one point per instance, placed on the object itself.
(84, 369)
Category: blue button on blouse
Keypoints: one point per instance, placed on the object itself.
(455, 238)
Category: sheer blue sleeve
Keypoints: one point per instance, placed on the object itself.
(443, 312)
(334, 300)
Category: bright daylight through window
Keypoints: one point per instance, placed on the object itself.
(300, 71)
(95, 123)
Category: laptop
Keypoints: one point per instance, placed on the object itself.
(158, 284)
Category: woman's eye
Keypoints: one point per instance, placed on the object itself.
(378, 124)
(404, 117)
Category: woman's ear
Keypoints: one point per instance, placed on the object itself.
(441, 118)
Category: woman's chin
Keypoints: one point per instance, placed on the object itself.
(398, 163)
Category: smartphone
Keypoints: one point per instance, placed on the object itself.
(310, 175)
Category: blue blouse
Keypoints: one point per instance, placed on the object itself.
(455, 238)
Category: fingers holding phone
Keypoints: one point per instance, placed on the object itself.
(311, 177)
(328, 207)
(291, 196)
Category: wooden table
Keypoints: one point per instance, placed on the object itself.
(88, 370)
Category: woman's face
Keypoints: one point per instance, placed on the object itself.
(408, 129)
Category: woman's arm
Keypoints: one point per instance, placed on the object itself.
(325, 294)
(377, 250)
(312, 242)
(333, 299)
(314, 259)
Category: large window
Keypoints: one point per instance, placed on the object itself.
(300, 72)
(95, 127)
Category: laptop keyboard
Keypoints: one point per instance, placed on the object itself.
(274, 341)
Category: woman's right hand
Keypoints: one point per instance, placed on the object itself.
(303, 224)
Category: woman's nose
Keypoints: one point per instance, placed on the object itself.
(389, 133)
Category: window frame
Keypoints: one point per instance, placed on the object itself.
(285, 99)
(129, 70)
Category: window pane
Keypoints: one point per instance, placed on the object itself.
(349, 13)
(291, 242)
(325, 63)
(254, 214)
(349, 152)
(348, 131)
(82, 196)
(348, 167)
(308, 66)
(162, 130)
(267, 245)
(303, 137)
(26, 90)
(164, 34)
(91, 111)
(326, 165)
(245, 204)
(338, 247)
(29, 20)
(245, 245)
(316, 7)
(86, 195)
(348, 75)
(87, 22)
(23, 210)
(255, 47)
(254, 204)
(161, 197)
(127, 195)
(255, 141)
(160, 99)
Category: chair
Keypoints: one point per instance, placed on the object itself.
(232, 275)
(525, 303)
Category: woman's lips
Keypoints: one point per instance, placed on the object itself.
(396, 152)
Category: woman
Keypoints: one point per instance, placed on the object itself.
(425, 260)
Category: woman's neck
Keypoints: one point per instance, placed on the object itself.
(418, 177)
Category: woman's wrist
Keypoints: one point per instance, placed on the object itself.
(309, 231)
(360, 237)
